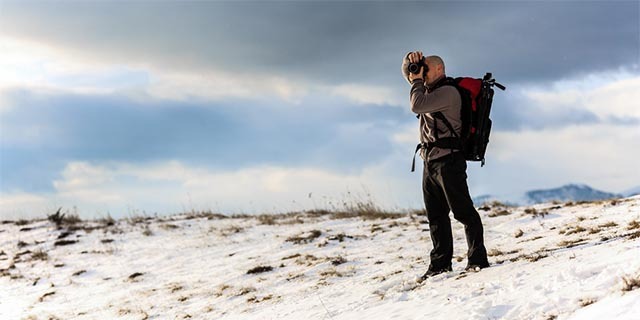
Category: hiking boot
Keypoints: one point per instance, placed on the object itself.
(433, 272)
(476, 267)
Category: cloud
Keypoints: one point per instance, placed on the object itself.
(518, 41)
(602, 155)
(363, 94)
(614, 95)
(119, 188)
(596, 98)
(42, 132)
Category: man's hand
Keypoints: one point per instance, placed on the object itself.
(415, 57)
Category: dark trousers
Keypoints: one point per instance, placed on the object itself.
(444, 185)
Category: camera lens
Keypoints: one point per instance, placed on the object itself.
(414, 68)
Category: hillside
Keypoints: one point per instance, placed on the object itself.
(549, 261)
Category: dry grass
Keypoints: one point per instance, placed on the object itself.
(107, 221)
(135, 275)
(497, 252)
(79, 272)
(609, 224)
(576, 229)
(630, 283)
(301, 239)
(499, 213)
(535, 213)
(291, 256)
(169, 226)
(230, 230)
(331, 272)
(136, 219)
(307, 260)
(147, 231)
(518, 233)
(245, 290)
(50, 293)
(338, 260)
(255, 299)
(365, 209)
(23, 222)
(40, 255)
(64, 242)
(587, 301)
(63, 219)
(208, 214)
(633, 225)
(571, 243)
(530, 257)
(260, 269)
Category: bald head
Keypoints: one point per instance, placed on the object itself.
(436, 69)
(435, 61)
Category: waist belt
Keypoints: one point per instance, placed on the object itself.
(452, 143)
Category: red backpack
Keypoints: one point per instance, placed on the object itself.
(477, 96)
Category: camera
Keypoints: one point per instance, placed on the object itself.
(415, 67)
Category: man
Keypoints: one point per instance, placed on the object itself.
(444, 179)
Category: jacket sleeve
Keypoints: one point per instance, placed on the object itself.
(438, 100)
(405, 64)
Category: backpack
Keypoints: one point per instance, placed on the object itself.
(476, 96)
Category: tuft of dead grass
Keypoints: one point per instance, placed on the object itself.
(256, 299)
(245, 290)
(587, 301)
(518, 233)
(576, 229)
(338, 260)
(609, 224)
(64, 242)
(331, 272)
(260, 269)
(302, 238)
(147, 231)
(63, 219)
(23, 222)
(630, 283)
(499, 213)
(571, 243)
(40, 255)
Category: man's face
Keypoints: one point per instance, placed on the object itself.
(435, 71)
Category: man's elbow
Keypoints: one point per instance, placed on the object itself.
(416, 104)
(415, 108)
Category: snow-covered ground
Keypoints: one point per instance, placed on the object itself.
(549, 261)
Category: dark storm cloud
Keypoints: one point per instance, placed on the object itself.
(229, 135)
(337, 42)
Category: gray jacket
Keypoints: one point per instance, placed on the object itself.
(445, 99)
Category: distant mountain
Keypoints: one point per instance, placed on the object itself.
(631, 192)
(485, 198)
(569, 192)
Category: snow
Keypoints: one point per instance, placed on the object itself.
(568, 263)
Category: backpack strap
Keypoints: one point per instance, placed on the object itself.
(418, 147)
(439, 115)
(452, 143)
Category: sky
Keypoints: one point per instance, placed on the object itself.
(126, 108)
